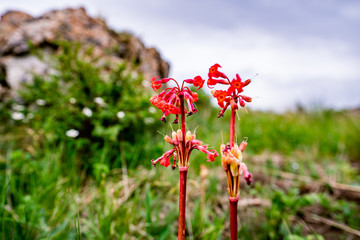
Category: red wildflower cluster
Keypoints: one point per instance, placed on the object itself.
(231, 96)
(169, 99)
(182, 149)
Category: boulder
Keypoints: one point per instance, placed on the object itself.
(20, 33)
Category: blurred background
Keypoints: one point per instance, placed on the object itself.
(77, 130)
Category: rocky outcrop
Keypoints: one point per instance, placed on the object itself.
(20, 32)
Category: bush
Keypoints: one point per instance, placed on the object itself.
(93, 112)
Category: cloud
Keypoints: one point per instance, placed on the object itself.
(303, 51)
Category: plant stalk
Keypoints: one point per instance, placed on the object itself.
(232, 127)
(183, 169)
(182, 202)
(182, 160)
(233, 200)
(233, 217)
(182, 113)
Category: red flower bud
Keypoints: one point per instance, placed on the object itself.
(234, 105)
(246, 98)
(247, 82)
(242, 103)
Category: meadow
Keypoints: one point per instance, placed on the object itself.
(75, 163)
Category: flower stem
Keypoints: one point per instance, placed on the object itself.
(182, 113)
(182, 202)
(233, 217)
(232, 127)
(182, 122)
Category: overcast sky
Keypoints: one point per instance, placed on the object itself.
(304, 51)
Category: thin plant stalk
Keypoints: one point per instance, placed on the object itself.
(183, 175)
(233, 200)
(232, 127)
(233, 217)
(182, 202)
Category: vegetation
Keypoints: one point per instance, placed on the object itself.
(96, 182)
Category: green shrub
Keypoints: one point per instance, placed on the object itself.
(100, 116)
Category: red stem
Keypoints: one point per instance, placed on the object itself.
(183, 174)
(182, 113)
(182, 202)
(182, 122)
(233, 217)
(232, 127)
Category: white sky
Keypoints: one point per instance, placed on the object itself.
(303, 51)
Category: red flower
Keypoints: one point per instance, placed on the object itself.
(211, 155)
(214, 76)
(236, 84)
(165, 162)
(214, 72)
(197, 82)
(164, 159)
(156, 84)
(195, 96)
(169, 99)
(221, 96)
(232, 95)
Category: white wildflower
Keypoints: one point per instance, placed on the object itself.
(152, 109)
(40, 102)
(17, 116)
(72, 100)
(134, 74)
(17, 107)
(145, 83)
(99, 101)
(149, 120)
(73, 133)
(87, 112)
(120, 114)
(294, 165)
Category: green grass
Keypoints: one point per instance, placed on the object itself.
(101, 184)
(48, 195)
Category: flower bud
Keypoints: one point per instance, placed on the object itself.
(188, 136)
(174, 136)
(247, 82)
(222, 148)
(234, 105)
(242, 103)
(234, 168)
(235, 151)
(179, 135)
(246, 98)
(168, 139)
(243, 146)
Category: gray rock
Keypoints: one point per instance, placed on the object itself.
(19, 32)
